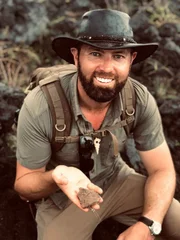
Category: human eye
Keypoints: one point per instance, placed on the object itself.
(95, 54)
(118, 56)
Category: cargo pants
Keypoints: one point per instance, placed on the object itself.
(123, 200)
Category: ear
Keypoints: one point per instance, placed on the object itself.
(74, 52)
(134, 54)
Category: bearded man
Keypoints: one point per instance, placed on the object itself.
(103, 52)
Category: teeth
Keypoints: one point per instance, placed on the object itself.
(104, 80)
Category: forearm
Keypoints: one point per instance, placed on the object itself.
(159, 191)
(35, 185)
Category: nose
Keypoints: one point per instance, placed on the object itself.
(106, 64)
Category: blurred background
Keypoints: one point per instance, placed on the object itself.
(27, 28)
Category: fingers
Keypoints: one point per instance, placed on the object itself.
(94, 187)
(96, 206)
(97, 189)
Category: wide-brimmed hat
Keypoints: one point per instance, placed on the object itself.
(104, 29)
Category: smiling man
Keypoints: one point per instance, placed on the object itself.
(104, 72)
(103, 53)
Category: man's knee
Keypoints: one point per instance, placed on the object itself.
(171, 222)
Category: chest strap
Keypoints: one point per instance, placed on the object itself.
(100, 133)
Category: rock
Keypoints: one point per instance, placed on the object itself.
(88, 197)
(151, 34)
(176, 82)
(174, 6)
(26, 14)
(12, 96)
(170, 112)
(168, 30)
(10, 100)
(80, 4)
(171, 50)
(144, 31)
(139, 21)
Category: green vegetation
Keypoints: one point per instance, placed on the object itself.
(160, 13)
(16, 63)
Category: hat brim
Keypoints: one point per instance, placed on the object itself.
(62, 45)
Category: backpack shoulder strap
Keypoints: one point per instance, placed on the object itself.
(60, 110)
(49, 81)
(129, 104)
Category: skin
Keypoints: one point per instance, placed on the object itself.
(96, 66)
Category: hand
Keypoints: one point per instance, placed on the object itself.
(70, 179)
(138, 231)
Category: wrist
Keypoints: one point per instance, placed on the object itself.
(154, 226)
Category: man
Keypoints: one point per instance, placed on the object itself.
(103, 53)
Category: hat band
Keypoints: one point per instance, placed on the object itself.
(111, 39)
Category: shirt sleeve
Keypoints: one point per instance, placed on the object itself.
(34, 132)
(148, 131)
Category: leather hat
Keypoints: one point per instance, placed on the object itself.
(104, 29)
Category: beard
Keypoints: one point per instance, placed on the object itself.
(97, 93)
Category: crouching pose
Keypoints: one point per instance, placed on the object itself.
(102, 53)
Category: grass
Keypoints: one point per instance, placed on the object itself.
(16, 63)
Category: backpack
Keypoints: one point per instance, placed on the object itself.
(48, 78)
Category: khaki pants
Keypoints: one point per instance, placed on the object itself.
(123, 200)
